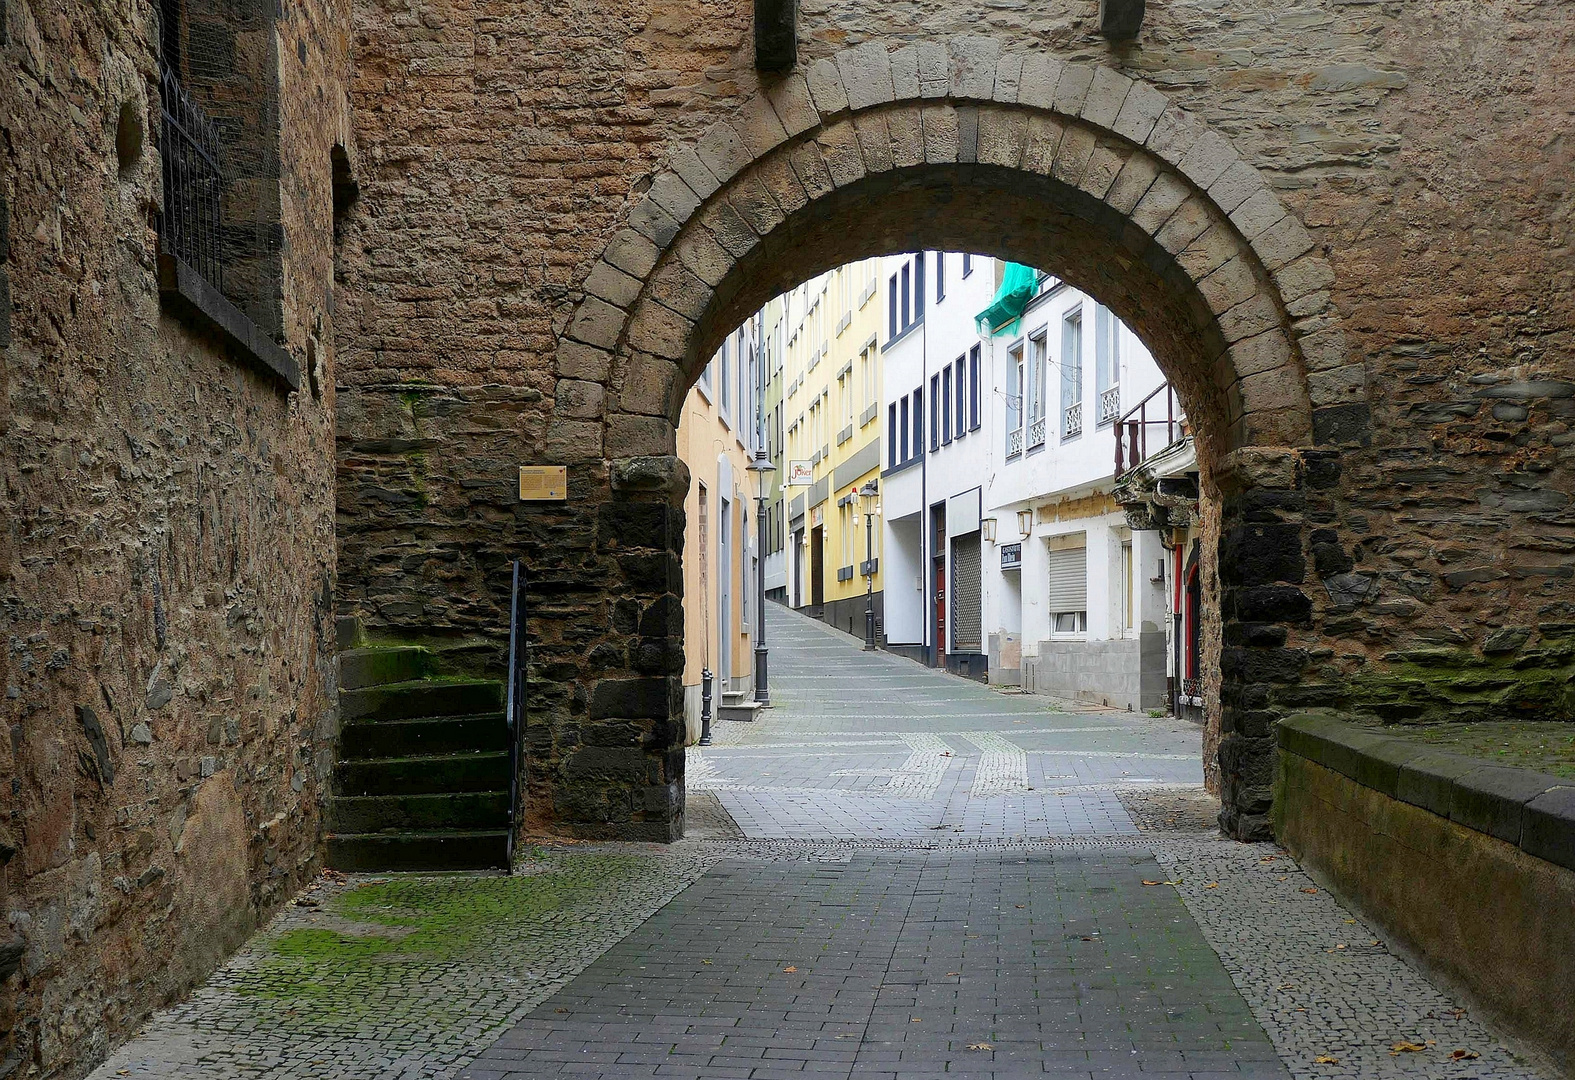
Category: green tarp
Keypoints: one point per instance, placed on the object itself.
(1018, 285)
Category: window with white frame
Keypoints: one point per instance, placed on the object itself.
(1128, 603)
(1068, 584)
(1038, 371)
(1072, 373)
(1014, 400)
(867, 373)
(1107, 364)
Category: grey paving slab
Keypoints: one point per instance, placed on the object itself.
(908, 965)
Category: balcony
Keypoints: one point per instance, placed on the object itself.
(1036, 433)
(1157, 420)
(1109, 405)
(1014, 442)
(1073, 426)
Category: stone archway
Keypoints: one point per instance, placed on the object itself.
(1075, 168)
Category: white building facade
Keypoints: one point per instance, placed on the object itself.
(1075, 599)
(936, 457)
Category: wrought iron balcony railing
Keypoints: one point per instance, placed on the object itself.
(1160, 411)
(1036, 433)
(1014, 442)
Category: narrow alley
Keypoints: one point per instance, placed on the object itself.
(892, 873)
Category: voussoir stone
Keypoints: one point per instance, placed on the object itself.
(973, 60)
(1106, 92)
(795, 109)
(866, 75)
(826, 89)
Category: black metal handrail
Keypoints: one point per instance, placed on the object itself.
(1132, 429)
(514, 707)
(190, 224)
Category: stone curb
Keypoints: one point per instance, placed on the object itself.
(1532, 810)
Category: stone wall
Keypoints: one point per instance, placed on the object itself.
(166, 555)
(1126, 673)
(1425, 525)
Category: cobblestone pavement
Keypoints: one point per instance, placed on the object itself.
(1133, 942)
(868, 744)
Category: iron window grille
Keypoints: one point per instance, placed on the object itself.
(190, 224)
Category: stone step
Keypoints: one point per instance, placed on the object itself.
(363, 739)
(472, 810)
(743, 710)
(478, 771)
(428, 850)
(423, 698)
(377, 666)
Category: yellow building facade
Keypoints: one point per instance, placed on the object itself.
(716, 436)
(831, 407)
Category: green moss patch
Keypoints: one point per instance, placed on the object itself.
(1527, 744)
(1457, 684)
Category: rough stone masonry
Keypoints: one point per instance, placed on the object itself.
(1342, 226)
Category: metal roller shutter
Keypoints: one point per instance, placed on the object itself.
(966, 583)
(1069, 579)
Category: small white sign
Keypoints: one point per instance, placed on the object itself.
(800, 473)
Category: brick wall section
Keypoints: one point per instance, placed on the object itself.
(1434, 524)
(167, 556)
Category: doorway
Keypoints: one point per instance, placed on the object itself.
(817, 568)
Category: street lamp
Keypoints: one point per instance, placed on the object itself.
(761, 466)
(868, 494)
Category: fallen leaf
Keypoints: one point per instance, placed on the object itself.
(980, 1046)
(1325, 1059)
(913, 1019)
(790, 969)
(1019, 905)
(1350, 922)
(1308, 889)
(1267, 858)
(1287, 986)
(1212, 885)
(1151, 882)
(1406, 1048)
(705, 961)
(954, 973)
(1463, 1055)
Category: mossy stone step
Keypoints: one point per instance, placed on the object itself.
(376, 666)
(422, 698)
(482, 771)
(424, 735)
(474, 810)
(420, 850)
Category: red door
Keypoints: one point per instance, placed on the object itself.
(940, 611)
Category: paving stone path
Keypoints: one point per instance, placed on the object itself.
(894, 873)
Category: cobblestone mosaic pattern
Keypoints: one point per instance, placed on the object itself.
(986, 965)
(1190, 937)
(867, 744)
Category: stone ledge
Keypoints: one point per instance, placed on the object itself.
(185, 291)
(1533, 811)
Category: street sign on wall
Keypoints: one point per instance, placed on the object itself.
(800, 473)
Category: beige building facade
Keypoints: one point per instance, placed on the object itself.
(716, 436)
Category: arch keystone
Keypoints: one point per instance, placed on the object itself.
(973, 58)
(1008, 77)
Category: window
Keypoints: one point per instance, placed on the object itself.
(918, 421)
(867, 372)
(703, 524)
(918, 286)
(845, 280)
(905, 454)
(962, 395)
(946, 404)
(726, 400)
(891, 435)
(845, 523)
(846, 383)
(1072, 374)
(935, 427)
(1014, 401)
(1127, 621)
(892, 308)
(967, 264)
(1068, 577)
(1038, 372)
(940, 276)
(973, 389)
(1107, 364)
(907, 289)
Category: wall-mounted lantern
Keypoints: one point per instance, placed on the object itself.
(1025, 522)
(987, 527)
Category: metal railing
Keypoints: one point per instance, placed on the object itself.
(1132, 430)
(1014, 442)
(1109, 405)
(514, 707)
(1074, 421)
(1036, 433)
(190, 224)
